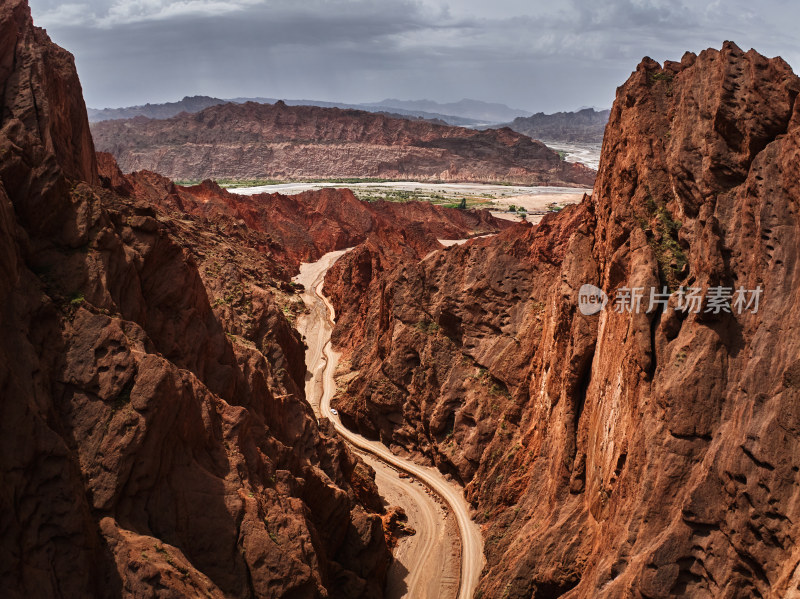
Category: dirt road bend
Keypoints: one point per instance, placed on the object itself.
(444, 558)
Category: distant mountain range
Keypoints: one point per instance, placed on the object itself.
(378, 107)
(194, 104)
(166, 110)
(277, 141)
(583, 126)
(484, 112)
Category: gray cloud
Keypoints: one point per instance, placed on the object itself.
(534, 54)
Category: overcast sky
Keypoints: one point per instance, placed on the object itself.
(536, 55)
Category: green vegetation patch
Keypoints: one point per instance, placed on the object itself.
(661, 76)
(663, 239)
(76, 300)
(236, 183)
(427, 326)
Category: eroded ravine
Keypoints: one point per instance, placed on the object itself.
(426, 564)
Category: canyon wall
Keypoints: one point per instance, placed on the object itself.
(620, 454)
(305, 226)
(155, 437)
(276, 141)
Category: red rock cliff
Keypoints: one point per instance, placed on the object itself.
(616, 455)
(155, 438)
(304, 227)
(250, 141)
(43, 114)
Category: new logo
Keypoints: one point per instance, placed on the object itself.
(591, 299)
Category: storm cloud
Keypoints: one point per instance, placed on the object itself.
(533, 54)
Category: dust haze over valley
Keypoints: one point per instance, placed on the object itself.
(424, 299)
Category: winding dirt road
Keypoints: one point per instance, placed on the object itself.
(427, 564)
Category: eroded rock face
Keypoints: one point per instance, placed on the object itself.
(645, 455)
(304, 227)
(38, 82)
(155, 438)
(251, 141)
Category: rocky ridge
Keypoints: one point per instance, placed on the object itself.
(156, 440)
(155, 436)
(619, 454)
(263, 141)
(582, 126)
(198, 103)
(155, 111)
(304, 227)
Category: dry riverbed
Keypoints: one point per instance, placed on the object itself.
(535, 201)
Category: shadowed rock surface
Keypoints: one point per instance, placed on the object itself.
(642, 455)
(276, 141)
(155, 438)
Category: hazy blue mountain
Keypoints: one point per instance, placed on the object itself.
(197, 103)
(583, 126)
(449, 119)
(485, 112)
(155, 111)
